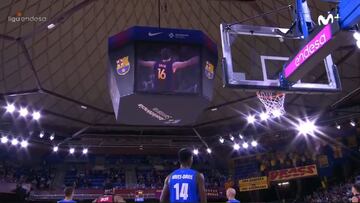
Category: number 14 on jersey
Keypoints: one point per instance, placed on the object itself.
(181, 191)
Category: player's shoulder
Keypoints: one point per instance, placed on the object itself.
(199, 175)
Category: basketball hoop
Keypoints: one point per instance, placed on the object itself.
(273, 102)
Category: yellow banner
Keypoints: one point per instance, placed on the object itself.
(256, 183)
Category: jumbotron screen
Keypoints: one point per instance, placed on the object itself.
(168, 68)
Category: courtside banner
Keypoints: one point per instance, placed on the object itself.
(293, 173)
(256, 183)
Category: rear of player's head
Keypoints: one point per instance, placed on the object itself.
(69, 192)
(230, 193)
(165, 54)
(185, 157)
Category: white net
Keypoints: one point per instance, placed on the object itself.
(273, 102)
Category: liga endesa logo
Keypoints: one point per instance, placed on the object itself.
(312, 47)
(20, 18)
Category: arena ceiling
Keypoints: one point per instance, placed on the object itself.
(62, 71)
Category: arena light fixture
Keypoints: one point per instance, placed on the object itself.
(71, 150)
(10, 108)
(36, 115)
(264, 116)
(283, 184)
(245, 145)
(196, 151)
(4, 139)
(23, 112)
(251, 119)
(42, 134)
(306, 127)
(14, 141)
(51, 26)
(221, 140)
(276, 113)
(85, 151)
(241, 136)
(208, 150)
(24, 143)
(357, 38)
(214, 109)
(254, 143)
(55, 148)
(52, 137)
(231, 137)
(338, 126)
(236, 146)
(352, 123)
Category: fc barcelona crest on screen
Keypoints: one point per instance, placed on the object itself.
(122, 65)
(209, 70)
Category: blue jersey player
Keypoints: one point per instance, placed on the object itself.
(165, 68)
(184, 184)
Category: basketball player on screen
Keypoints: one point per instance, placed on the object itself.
(184, 184)
(165, 68)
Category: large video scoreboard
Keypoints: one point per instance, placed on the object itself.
(160, 76)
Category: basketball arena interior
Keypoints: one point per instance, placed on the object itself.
(179, 101)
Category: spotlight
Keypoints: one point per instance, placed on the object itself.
(71, 150)
(24, 144)
(352, 123)
(357, 36)
(264, 116)
(4, 139)
(196, 151)
(306, 127)
(245, 145)
(214, 109)
(338, 126)
(52, 137)
(208, 150)
(51, 26)
(41, 135)
(254, 143)
(10, 108)
(241, 136)
(55, 148)
(85, 151)
(236, 146)
(231, 137)
(283, 184)
(14, 141)
(23, 112)
(276, 113)
(36, 115)
(221, 140)
(251, 119)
